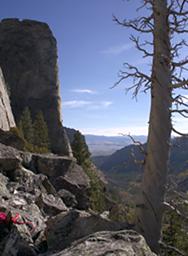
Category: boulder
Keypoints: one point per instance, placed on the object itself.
(50, 164)
(64, 173)
(68, 198)
(19, 195)
(13, 244)
(12, 138)
(9, 158)
(116, 243)
(50, 205)
(28, 57)
(63, 229)
(6, 116)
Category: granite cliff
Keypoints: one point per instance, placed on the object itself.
(28, 58)
(7, 118)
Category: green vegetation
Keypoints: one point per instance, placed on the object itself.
(82, 154)
(123, 213)
(80, 148)
(25, 126)
(35, 134)
(97, 196)
(40, 139)
(175, 232)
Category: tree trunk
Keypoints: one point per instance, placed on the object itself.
(150, 208)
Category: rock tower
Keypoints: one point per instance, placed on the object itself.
(28, 58)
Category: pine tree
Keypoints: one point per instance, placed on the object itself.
(80, 148)
(81, 153)
(25, 126)
(41, 139)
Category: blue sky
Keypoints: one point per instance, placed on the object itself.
(91, 50)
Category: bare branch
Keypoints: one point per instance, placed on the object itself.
(180, 100)
(146, 2)
(182, 112)
(139, 79)
(183, 84)
(141, 148)
(139, 46)
(142, 24)
(180, 31)
(180, 11)
(180, 63)
(178, 16)
(179, 133)
(138, 143)
(177, 47)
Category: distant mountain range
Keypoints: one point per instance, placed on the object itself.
(107, 145)
(124, 163)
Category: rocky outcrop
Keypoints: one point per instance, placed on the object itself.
(65, 228)
(9, 158)
(64, 173)
(124, 243)
(47, 223)
(6, 116)
(28, 57)
(19, 194)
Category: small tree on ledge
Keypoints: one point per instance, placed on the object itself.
(25, 126)
(40, 128)
(80, 148)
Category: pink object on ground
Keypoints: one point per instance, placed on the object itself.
(4, 219)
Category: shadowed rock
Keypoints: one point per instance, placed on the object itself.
(106, 243)
(9, 158)
(63, 229)
(28, 55)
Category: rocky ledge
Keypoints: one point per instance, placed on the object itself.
(119, 243)
(28, 58)
(46, 199)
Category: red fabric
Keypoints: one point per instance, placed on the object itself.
(3, 219)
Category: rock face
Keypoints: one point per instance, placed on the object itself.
(6, 116)
(28, 57)
(120, 243)
(47, 225)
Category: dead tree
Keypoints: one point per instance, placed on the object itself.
(166, 19)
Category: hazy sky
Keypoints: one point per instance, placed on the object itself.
(92, 49)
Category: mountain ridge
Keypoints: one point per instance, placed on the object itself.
(106, 145)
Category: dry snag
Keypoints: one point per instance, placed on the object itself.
(166, 20)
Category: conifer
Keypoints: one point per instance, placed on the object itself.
(80, 148)
(25, 126)
(41, 139)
